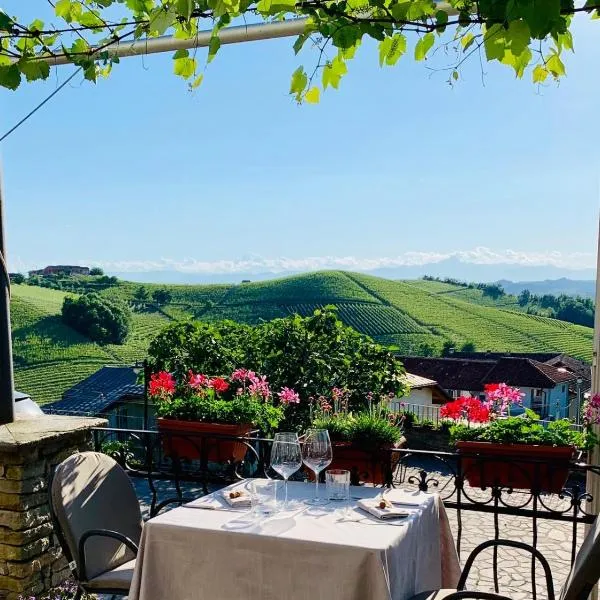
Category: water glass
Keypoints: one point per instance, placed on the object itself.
(263, 494)
(337, 484)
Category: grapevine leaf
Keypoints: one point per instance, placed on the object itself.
(183, 65)
(10, 77)
(424, 45)
(333, 72)
(213, 47)
(34, 69)
(299, 81)
(555, 66)
(313, 95)
(494, 43)
(197, 82)
(540, 73)
(467, 40)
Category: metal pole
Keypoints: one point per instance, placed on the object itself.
(7, 403)
(228, 35)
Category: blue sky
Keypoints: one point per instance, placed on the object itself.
(137, 173)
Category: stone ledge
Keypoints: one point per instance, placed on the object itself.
(37, 431)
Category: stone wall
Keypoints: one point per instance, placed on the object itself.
(30, 558)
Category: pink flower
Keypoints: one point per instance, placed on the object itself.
(591, 411)
(288, 396)
(161, 384)
(260, 387)
(244, 375)
(324, 404)
(500, 396)
(197, 381)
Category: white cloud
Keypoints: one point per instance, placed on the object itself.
(258, 264)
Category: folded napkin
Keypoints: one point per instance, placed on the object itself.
(390, 512)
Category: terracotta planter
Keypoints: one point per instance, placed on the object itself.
(517, 466)
(195, 440)
(365, 466)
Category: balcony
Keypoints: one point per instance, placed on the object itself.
(554, 523)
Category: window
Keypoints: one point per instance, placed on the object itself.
(563, 389)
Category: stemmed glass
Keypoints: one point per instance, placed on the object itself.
(317, 455)
(286, 458)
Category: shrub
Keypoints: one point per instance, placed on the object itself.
(102, 320)
(311, 355)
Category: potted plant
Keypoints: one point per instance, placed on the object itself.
(516, 452)
(361, 441)
(220, 408)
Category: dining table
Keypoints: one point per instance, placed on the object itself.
(208, 549)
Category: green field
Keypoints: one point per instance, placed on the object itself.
(50, 357)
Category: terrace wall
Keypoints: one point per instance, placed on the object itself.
(30, 557)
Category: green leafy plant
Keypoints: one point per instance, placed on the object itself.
(527, 36)
(369, 429)
(525, 429)
(242, 398)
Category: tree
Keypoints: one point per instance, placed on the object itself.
(141, 295)
(309, 354)
(524, 298)
(102, 320)
(161, 296)
(96, 271)
(448, 348)
(17, 278)
(493, 290)
(528, 36)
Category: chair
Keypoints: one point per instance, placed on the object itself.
(584, 574)
(98, 522)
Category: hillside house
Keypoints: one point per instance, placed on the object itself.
(60, 270)
(423, 392)
(111, 392)
(546, 387)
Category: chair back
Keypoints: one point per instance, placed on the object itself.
(90, 490)
(585, 572)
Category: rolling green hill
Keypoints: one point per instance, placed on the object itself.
(50, 357)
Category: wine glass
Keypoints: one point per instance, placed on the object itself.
(286, 458)
(317, 455)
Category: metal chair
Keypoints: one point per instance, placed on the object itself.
(584, 574)
(98, 522)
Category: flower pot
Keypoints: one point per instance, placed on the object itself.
(196, 440)
(367, 466)
(517, 466)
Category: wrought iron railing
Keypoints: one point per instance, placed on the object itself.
(154, 456)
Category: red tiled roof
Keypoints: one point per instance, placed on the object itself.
(524, 372)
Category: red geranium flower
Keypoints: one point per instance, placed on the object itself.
(219, 385)
(465, 407)
(161, 384)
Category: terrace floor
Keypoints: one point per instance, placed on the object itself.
(554, 541)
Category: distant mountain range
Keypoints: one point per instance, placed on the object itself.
(571, 287)
(539, 279)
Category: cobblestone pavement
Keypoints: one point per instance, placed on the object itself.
(514, 566)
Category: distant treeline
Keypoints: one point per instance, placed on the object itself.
(574, 309)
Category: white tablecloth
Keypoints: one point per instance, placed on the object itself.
(339, 554)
